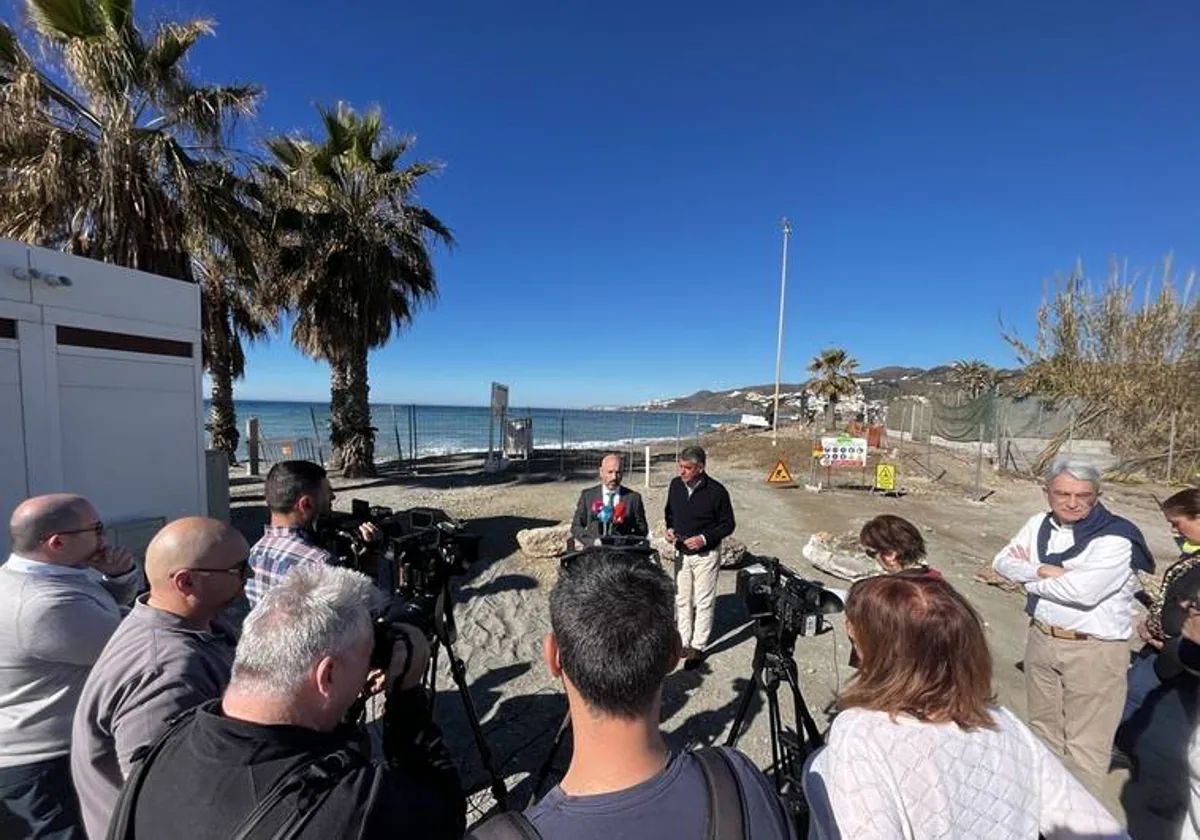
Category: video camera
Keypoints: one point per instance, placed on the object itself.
(776, 596)
(420, 549)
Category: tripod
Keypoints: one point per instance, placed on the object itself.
(445, 633)
(774, 664)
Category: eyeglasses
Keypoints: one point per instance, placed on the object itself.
(97, 529)
(242, 570)
(873, 553)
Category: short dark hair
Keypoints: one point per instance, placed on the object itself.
(287, 481)
(1184, 503)
(893, 533)
(613, 616)
(695, 454)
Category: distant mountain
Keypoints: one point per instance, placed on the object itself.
(879, 385)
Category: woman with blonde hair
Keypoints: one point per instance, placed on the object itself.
(919, 748)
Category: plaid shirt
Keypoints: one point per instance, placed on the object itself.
(275, 554)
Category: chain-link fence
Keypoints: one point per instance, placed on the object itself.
(545, 440)
(1017, 435)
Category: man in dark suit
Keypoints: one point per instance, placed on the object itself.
(626, 514)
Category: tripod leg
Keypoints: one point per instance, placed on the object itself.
(775, 725)
(809, 734)
(458, 671)
(739, 720)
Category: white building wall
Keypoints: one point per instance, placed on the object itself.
(100, 391)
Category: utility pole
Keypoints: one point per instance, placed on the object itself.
(787, 234)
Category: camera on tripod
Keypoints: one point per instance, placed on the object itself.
(419, 551)
(774, 593)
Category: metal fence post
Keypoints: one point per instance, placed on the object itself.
(252, 443)
(979, 465)
(562, 443)
(1171, 450)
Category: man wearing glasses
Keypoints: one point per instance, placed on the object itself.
(61, 592)
(173, 652)
(1078, 564)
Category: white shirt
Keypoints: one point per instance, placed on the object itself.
(1094, 596)
(1191, 825)
(886, 779)
(609, 498)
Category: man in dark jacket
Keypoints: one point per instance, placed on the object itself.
(699, 515)
(300, 666)
(608, 509)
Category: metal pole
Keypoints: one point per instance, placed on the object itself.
(979, 465)
(787, 233)
(562, 443)
(678, 426)
(252, 444)
(905, 412)
(396, 432)
(1171, 450)
(647, 466)
(312, 415)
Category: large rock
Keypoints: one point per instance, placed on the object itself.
(544, 542)
(733, 553)
(835, 556)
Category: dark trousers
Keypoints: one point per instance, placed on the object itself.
(1155, 736)
(37, 801)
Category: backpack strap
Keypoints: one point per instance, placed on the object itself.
(726, 819)
(311, 782)
(120, 826)
(510, 825)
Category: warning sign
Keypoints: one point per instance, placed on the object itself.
(780, 475)
(885, 477)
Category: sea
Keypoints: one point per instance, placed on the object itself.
(428, 430)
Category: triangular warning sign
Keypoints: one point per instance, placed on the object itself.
(780, 474)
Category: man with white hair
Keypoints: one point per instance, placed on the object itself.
(272, 758)
(1078, 564)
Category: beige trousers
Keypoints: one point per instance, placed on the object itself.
(696, 589)
(1076, 692)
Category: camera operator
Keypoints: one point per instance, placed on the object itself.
(275, 751)
(612, 644)
(297, 492)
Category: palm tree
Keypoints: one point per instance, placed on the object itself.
(973, 376)
(352, 247)
(233, 307)
(112, 151)
(834, 371)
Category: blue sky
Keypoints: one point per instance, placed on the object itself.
(615, 173)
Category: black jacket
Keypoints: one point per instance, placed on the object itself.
(586, 528)
(214, 770)
(708, 511)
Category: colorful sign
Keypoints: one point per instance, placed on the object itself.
(843, 451)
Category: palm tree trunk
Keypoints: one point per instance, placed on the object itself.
(338, 422)
(222, 415)
(358, 451)
(831, 412)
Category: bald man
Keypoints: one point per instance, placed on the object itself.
(61, 592)
(610, 509)
(174, 651)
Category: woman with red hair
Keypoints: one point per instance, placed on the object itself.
(920, 749)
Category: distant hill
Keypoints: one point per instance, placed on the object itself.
(879, 385)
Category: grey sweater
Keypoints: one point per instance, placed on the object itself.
(153, 667)
(54, 621)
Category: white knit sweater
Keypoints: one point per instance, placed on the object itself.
(901, 778)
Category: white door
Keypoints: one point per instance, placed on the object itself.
(13, 481)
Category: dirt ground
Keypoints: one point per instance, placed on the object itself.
(501, 605)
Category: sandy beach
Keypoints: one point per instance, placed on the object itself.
(501, 605)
